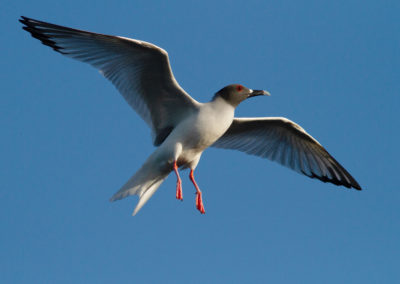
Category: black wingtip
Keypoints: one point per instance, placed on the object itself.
(34, 27)
(24, 20)
(356, 186)
(338, 174)
(352, 184)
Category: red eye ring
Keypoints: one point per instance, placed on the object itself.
(239, 88)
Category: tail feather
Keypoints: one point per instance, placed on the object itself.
(145, 196)
(143, 183)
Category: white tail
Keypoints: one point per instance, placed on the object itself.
(144, 183)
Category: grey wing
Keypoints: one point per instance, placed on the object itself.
(285, 142)
(139, 70)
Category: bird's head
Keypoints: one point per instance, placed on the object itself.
(234, 94)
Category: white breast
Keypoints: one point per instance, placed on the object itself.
(199, 130)
(210, 123)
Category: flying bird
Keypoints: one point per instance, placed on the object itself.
(182, 127)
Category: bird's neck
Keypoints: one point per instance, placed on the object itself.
(218, 100)
(221, 104)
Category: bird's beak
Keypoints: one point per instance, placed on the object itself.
(254, 93)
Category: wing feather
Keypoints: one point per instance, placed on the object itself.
(285, 142)
(139, 70)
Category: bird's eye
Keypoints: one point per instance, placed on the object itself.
(239, 88)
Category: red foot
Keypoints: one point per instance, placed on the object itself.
(179, 194)
(199, 200)
(199, 203)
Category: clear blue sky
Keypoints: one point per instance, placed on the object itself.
(69, 141)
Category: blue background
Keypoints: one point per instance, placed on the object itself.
(69, 141)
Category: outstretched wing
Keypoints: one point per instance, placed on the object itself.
(285, 142)
(139, 70)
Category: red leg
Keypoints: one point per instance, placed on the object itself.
(179, 194)
(199, 201)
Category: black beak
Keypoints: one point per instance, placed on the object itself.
(254, 93)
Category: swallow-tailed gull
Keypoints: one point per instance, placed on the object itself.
(183, 128)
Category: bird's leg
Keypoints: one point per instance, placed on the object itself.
(199, 200)
(179, 194)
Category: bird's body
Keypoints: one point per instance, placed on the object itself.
(200, 130)
(182, 127)
(185, 145)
